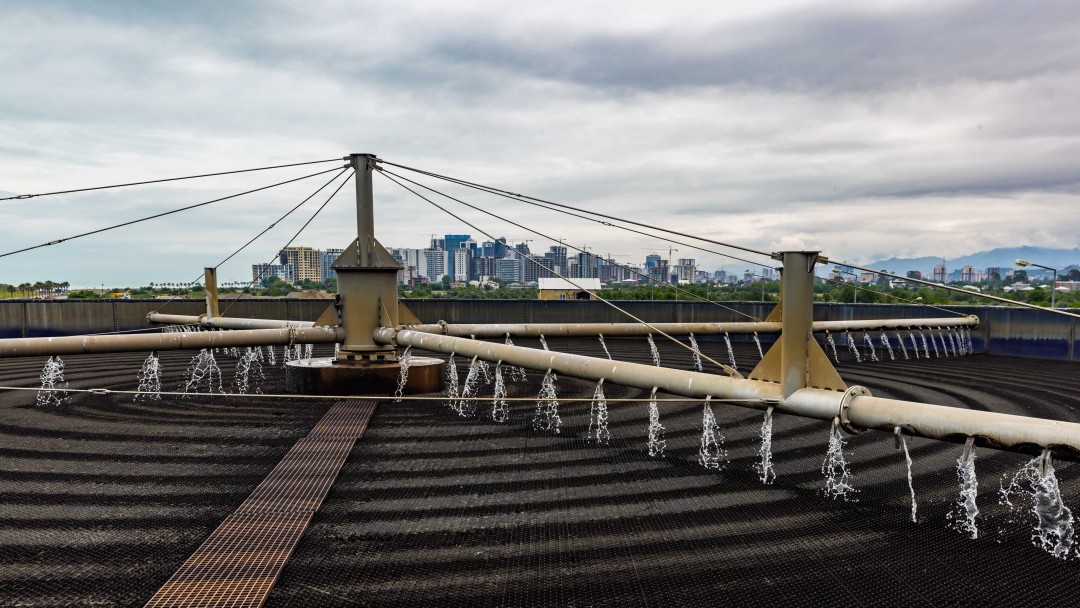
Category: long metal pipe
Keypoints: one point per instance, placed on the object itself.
(532, 330)
(77, 345)
(855, 407)
(224, 322)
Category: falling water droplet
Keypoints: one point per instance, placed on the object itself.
(653, 351)
(854, 350)
(696, 353)
(598, 416)
(604, 345)
(870, 346)
(730, 352)
(656, 430)
(910, 483)
(500, 411)
(203, 372)
(1053, 530)
(466, 406)
(249, 372)
(451, 389)
(51, 376)
(712, 454)
(764, 467)
(149, 379)
(963, 513)
(547, 405)
(888, 345)
(834, 467)
(404, 361)
(832, 343)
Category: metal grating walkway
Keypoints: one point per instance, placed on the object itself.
(239, 563)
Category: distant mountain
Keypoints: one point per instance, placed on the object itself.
(1004, 257)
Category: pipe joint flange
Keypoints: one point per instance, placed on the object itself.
(845, 403)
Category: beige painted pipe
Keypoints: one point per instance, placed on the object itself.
(224, 322)
(532, 330)
(855, 407)
(124, 343)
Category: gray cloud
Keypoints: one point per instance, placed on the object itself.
(871, 130)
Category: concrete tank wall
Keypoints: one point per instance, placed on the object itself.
(1005, 331)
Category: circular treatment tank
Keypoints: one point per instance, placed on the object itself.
(103, 497)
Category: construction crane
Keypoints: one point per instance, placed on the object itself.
(670, 250)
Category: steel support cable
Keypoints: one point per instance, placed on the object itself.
(585, 217)
(163, 214)
(959, 290)
(522, 197)
(542, 235)
(889, 295)
(253, 239)
(169, 179)
(730, 371)
(294, 237)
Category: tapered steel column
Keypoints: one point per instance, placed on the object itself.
(210, 279)
(365, 207)
(797, 317)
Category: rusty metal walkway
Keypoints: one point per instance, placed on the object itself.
(239, 563)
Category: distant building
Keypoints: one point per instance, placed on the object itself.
(995, 273)
(967, 274)
(686, 270)
(867, 277)
(511, 268)
(328, 257)
(940, 274)
(914, 274)
(462, 262)
(261, 272)
(561, 289)
(436, 265)
(306, 262)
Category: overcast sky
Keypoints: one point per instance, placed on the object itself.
(867, 129)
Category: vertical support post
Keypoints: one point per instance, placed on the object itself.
(365, 208)
(210, 279)
(797, 316)
(367, 278)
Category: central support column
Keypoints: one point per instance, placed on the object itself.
(795, 361)
(367, 301)
(367, 278)
(797, 312)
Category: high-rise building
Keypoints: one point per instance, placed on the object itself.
(436, 265)
(452, 242)
(555, 260)
(461, 263)
(306, 262)
(511, 268)
(587, 267)
(262, 272)
(967, 274)
(328, 257)
(995, 273)
(686, 270)
(940, 274)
